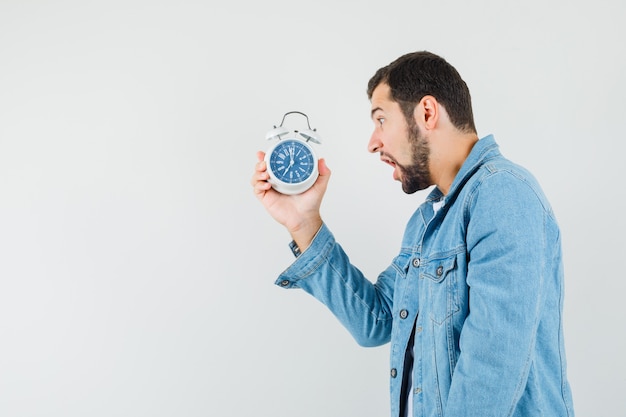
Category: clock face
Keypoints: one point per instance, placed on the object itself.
(292, 161)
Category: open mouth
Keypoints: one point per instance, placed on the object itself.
(387, 160)
(393, 164)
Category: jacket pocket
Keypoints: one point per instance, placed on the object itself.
(440, 276)
(401, 264)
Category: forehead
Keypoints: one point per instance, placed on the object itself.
(381, 93)
(381, 99)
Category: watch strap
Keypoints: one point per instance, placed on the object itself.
(294, 248)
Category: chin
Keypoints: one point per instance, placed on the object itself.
(410, 188)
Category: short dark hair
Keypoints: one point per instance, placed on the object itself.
(417, 74)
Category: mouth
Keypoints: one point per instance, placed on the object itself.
(388, 161)
(393, 164)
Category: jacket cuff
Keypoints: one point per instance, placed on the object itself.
(306, 261)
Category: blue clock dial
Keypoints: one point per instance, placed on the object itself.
(292, 161)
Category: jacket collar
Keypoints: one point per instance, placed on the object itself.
(483, 150)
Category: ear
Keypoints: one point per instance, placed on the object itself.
(427, 112)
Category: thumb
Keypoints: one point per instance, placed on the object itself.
(324, 174)
(323, 168)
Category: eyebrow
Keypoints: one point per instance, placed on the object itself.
(374, 110)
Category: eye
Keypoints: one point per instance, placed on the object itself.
(380, 120)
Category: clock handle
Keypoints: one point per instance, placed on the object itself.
(308, 134)
(297, 112)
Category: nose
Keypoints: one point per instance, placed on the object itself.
(375, 143)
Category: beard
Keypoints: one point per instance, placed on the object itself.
(416, 177)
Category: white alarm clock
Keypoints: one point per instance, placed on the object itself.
(291, 161)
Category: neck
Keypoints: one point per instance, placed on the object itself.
(450, 152)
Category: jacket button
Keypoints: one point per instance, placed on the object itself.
(284, 283)
(394, 372)
(439, 271)
(416, 262)
(404, 314)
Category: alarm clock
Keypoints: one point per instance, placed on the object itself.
(291, 160)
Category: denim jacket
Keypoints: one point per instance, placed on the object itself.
(476, 292)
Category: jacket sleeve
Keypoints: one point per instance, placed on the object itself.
(507, 247)
(325, 271)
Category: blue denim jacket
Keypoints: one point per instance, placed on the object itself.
(476, 290)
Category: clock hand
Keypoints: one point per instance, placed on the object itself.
(287, 169)
(291, 162)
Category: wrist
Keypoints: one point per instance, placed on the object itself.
(303, 236)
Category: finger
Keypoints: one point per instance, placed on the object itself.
(324, 175)
(260, 170)
(261, 187)
(323, 168)
(259, 176)
(261, 166)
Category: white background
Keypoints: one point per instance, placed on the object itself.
(136, 266)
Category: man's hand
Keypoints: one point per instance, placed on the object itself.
(300, 214)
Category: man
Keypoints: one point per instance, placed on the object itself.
(472, 304)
